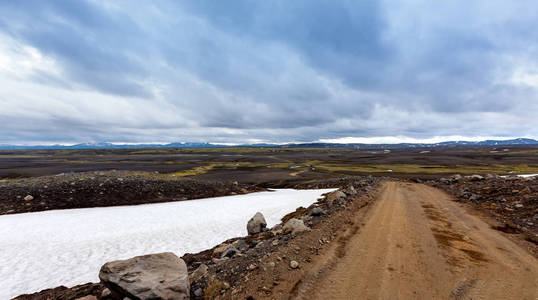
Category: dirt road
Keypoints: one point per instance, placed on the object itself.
(418, 244)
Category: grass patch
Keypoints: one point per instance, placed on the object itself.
(343, 168)
(229, 166)
(195, 171)
(214, 290)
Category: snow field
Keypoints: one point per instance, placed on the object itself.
(67, 247)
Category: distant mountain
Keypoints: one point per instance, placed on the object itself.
(520, 141)
(486, 143)
(109, 146)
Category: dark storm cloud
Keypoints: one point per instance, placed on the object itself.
(270, 70)
(340, 37)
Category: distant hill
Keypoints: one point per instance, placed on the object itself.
(110, 146)
(486, 143)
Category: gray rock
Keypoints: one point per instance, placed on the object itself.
(336, 195)
(200, 272)
(306, 219)
(198, 292)
(256, 224)
(241, 245)
(477, 178)
(457, 177)
(219, 260)
(351, 190)
(155, 276)
(230, 252)
(474, 197)
(466, 195)
(519, 205)
(294, 226)
(106, 294)
(317, 211)
(220, 249)
(336, 202)
(28, 198)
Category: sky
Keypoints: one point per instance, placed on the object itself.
(267, 71)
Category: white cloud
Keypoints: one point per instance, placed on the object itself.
(20, 61)
(526, 76)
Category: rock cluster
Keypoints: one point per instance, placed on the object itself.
(238, 257)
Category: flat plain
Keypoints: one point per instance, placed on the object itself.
(274, 166)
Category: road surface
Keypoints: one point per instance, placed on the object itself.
(418, 244)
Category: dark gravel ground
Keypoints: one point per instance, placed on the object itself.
(99, 189)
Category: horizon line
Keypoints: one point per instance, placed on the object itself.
(387, 140)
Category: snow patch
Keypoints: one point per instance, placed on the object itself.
(67, 247)
(527, 175)
(521, 175)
